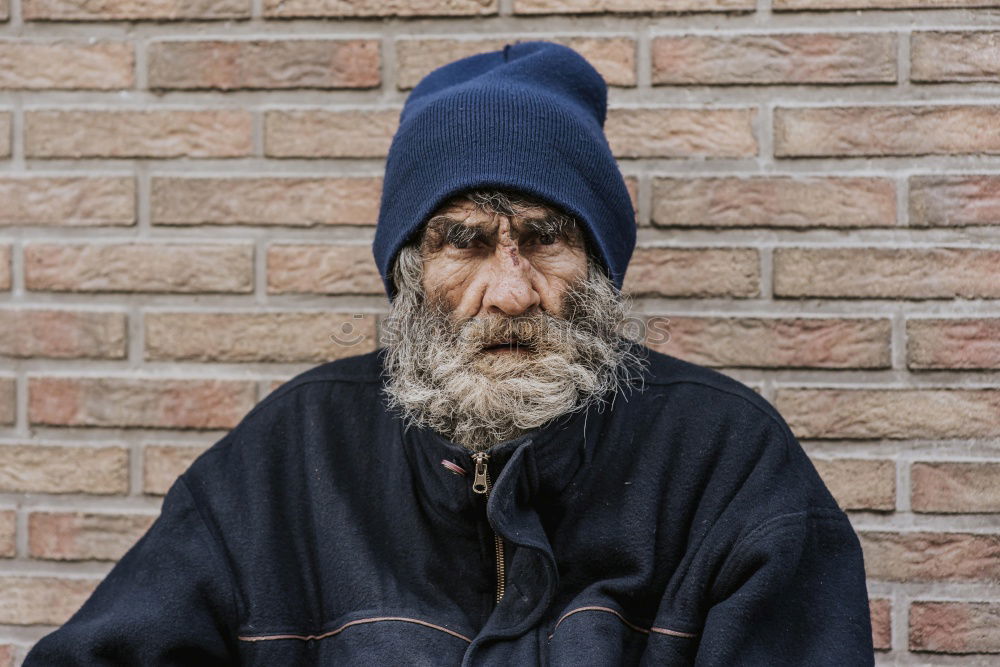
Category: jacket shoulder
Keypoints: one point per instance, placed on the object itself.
(720, 418)
(358, 369)
(361, 368)
(705, 386)
(315, 395)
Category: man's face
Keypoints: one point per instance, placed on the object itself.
(501, 322)
(478, 264)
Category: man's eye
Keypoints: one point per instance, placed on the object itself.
(547, 239)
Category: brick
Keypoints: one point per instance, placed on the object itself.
(947, 129)
(56, 469)
(4, 134)
(955, 627)
(138, 402)
(860, 484)
(291, 63)
(219, 133)
(773, 342)
(954, 201)
(320, 133)
(65, 65)
(967, 55)
(133, 10)
(953, 343)
(163, 464)
(679, 133)
(139, 267)
(926, 556)
(891, 413)
(361, 8)
(881, 615)
(793, 5)
(694, 272)
(62, 334)
(84, 535)
(774, 58)
(67, 201)
(4, 267)
(8, 532)
(955, 487)
(8, 395)
(774, 201)
(280, 337)
(299, 202)
(888, 273)
(612, 57)
(632, 185)
(322, 269)
(42, 600)
(629, 6)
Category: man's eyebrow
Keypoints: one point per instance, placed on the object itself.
(549, 224)
(444, 228)
(442, 224)
(447, 227)
(552, 224)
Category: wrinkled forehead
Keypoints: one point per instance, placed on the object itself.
(514, 205)
(516, 212)
(488, 222)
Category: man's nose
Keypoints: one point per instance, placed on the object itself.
(509, 290)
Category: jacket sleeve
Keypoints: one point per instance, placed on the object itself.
(168, 601)
(792, 592)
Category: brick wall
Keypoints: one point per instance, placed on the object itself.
(188, 191)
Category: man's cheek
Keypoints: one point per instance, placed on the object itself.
(456, 287)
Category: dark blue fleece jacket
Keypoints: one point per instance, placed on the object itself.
(682, 526)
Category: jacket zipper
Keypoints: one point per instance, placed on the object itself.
(481, 484)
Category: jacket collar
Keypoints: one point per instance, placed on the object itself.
(550, 456)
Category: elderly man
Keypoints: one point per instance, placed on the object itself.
(509, 481)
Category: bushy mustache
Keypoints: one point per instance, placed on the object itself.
(539, 333)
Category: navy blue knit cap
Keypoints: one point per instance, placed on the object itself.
(529, 117)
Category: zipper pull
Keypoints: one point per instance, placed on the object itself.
(481, 481)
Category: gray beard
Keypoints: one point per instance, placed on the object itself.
(439, 376)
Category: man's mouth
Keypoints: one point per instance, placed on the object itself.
(508, 346)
